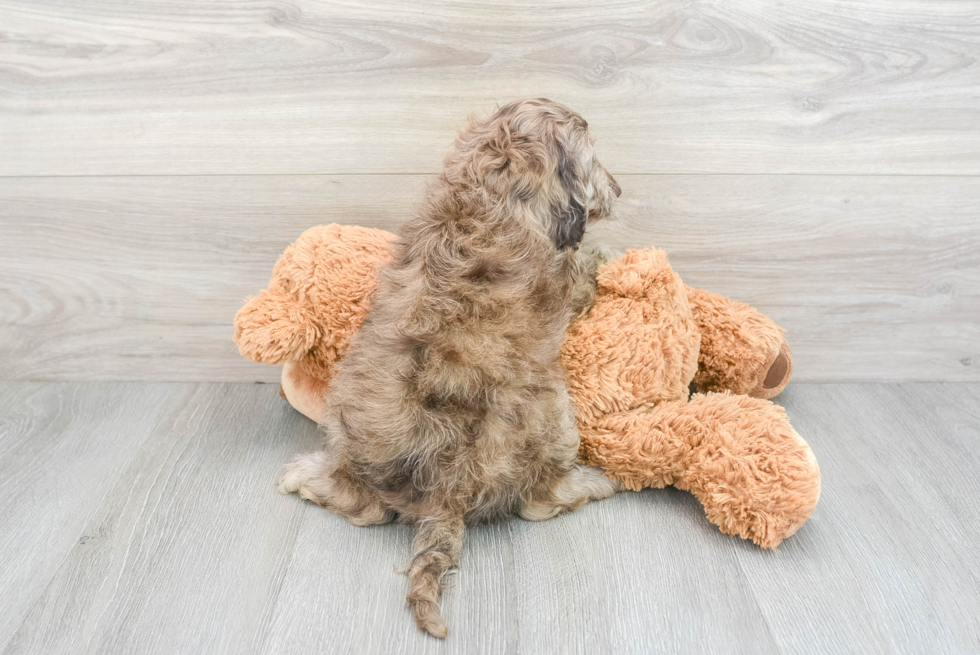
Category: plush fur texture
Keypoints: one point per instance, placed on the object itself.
(755, 476)
(321, 287)
(451, 404)
(316, 300)
(629, 361)
(733, 335)
(640, 345)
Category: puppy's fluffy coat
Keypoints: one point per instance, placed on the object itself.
(451, 406)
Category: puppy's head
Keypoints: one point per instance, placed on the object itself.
(537, 156)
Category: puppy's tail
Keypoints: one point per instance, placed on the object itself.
(438, 542)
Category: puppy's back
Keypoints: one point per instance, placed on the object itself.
(442, 391)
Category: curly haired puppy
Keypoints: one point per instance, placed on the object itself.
(451, 406)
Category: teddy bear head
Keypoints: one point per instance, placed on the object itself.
(639, 343)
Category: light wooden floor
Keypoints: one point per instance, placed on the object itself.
(141, 517)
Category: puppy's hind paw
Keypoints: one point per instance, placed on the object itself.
(299, 473)
(287, 484)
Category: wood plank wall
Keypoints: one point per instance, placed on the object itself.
(820, 159)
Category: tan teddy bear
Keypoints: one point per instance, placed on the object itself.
(630, 362)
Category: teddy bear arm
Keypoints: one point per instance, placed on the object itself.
(754, 475)
(742, 350)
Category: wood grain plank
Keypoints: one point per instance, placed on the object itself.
(887, 563)
(155, 269)
(139, 278)
(343, 592)
(943, 421)
(638, 573)
(719, 86)
(188, 550)
(60, 448)
(565, 586)
(187, 547)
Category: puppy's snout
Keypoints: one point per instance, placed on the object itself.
(615, 185)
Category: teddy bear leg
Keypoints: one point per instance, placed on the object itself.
(742, 350)
(756, 477)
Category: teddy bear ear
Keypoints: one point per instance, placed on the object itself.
(273, 329)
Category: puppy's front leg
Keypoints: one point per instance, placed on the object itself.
(587, 262)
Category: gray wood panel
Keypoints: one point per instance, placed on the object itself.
(896, 529)
(185, 86)
(185, 545)
(188, 550)
(139, 278)
(638, 573)
(343, 593)
(61, 450)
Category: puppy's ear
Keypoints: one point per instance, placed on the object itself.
(568, 212)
